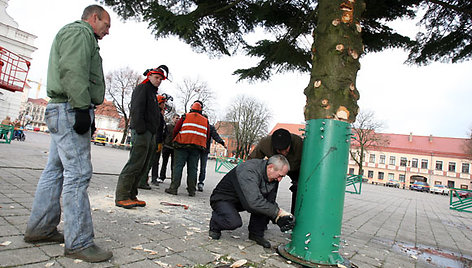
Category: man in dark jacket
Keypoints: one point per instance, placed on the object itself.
(145, 119)
(168, 148)
(154, 162)
(204, 156)
(251, 186)
(290, 146)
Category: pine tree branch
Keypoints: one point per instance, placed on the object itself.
(446, 5)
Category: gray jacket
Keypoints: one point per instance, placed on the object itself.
(248, 187)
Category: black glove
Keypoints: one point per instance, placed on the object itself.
(286, 223)
(92, 128)
(82, 121)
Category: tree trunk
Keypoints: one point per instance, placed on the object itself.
(337, 46)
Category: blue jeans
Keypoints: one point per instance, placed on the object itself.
(68, 171)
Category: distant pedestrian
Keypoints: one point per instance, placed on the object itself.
(75, 84)
(191, 134)
(145, 120)
(168, 148)
(204, 156)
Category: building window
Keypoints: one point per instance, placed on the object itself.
(424, 163)
(370, 174)
(392, 160)
(414, 162)
(372, 158)
(439, 165)
(382, 159)
(381, 175)
(351, 171)
(452, 167)
(403, 161)
(465, 167)
(391, 176)
(401, 177)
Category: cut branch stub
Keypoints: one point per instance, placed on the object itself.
(317, 83)
(342, 113)
(340, 47)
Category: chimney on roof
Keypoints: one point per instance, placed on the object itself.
(410, 138)
(430, 138)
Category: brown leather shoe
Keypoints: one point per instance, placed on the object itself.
(54, 237)
(139, 203)
(128, 203)
(90, 254)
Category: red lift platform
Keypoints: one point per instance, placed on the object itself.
(14, 70)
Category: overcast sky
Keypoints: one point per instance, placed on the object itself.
(435, 99)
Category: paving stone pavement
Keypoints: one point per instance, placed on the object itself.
(382, 227)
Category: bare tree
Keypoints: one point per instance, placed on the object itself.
(365, 130)
(192, 90)
(120, 84)
(249, 119)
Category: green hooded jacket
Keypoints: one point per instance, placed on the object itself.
(75, 73)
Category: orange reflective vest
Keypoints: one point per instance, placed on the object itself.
(194, 130)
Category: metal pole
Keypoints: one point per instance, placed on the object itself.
(320, 199)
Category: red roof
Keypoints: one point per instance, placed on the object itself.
(107, 108)
(41, 102)
(292, 128)
(411, 144)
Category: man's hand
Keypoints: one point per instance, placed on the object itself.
(285, 220)
(82, 121)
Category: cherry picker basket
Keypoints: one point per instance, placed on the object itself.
(13, 70)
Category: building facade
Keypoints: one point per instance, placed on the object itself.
(410, 158)
(107, 121)
(32, 113)
(20, 43)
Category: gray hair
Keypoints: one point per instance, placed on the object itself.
(92, 9)
(279, 161)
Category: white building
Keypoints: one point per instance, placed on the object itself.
(20, 43)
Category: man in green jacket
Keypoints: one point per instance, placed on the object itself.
(75, 85)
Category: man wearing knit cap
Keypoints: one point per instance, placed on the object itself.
(145, 120)
(287, 144)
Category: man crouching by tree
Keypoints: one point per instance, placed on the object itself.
(251, 186)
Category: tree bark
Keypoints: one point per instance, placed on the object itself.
(336, 49)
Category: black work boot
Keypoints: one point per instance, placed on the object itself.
(54, 237)
(259, 240)
(200, 187)
(90, 254)
(215, 235)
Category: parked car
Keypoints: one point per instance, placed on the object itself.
(100, 140)
(393, 183)
(440, 189)
(36, 129)
(463, 193)
(29, 127)
(420, 186)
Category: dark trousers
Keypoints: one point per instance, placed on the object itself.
(155, 167)
(166, 153)
(203, 166)
(144, 146)
(225, 216)
(189, 157)
(294, 188)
